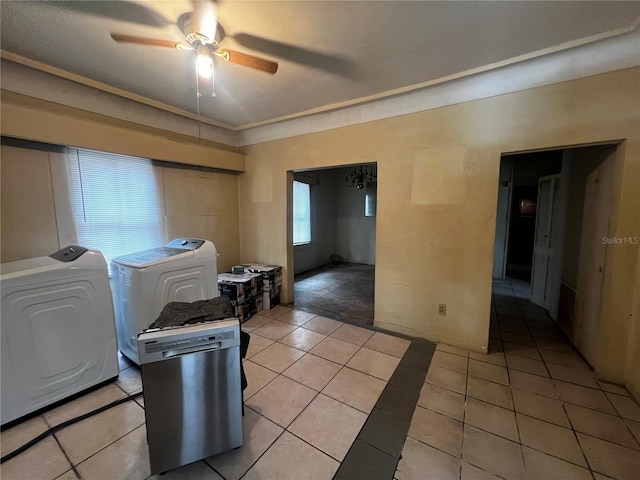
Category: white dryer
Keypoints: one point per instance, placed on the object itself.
(58, 329)
(184, 270)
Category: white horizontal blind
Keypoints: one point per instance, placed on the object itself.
(115, 202)
(301, 213)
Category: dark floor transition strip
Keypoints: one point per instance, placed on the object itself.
(376, 451)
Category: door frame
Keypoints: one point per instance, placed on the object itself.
(614, 342)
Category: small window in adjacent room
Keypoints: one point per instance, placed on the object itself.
(114, 201)
(371, 200)
(301, 213)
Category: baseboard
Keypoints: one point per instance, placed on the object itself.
(635, 393)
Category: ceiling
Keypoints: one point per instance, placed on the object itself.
(330, 54)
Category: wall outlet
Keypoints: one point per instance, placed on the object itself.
(442, 309)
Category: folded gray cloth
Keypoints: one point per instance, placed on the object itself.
(175, 314)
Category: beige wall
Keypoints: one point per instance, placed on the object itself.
(437, 192)
(194, 203)
(203, 205)
(27, 212)
(582, 161)
(33, 119)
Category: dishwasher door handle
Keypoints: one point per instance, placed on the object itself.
(183, 351)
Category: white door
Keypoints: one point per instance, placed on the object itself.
(546, 226)
(595, 226)
(503, 213)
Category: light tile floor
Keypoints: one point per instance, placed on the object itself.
(313, 382)
(531, 409)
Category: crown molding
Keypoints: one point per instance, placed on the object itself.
(448, 78)
(584, 60)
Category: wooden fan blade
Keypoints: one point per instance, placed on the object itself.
(250, 61)
(144, 41)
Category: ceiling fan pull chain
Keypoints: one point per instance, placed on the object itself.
(198, 105)
(198, 95)
(213, 81)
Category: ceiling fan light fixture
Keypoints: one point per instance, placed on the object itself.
(200, 29)
(194, 38)
(204, 62)
(204, 68)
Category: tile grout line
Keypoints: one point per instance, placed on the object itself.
(208, 466)
(563, 406)
(464, 422)
(603, 440)
(317, 393)
(505, 438)
(561, 403)
(64, 452)
(309, 352)
(73, 466)
(513, 400)
(464, 417)
(564, 403)
(575, 435)
(311, 444)
(261, 455)
(107, 446)
(552, 379)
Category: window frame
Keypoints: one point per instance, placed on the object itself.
(308, 188)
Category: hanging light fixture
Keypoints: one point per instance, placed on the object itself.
(201, 36)
(204, 67)
(361, 176)
(204, 62)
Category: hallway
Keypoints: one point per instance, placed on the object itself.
(340, 292)
(531, 409)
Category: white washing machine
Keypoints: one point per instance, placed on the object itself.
(58, 329)
(184, 270)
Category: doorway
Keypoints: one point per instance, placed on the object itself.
(549, 234)
(520, 175)
(334, 271)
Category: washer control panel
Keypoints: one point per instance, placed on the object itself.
(68, 254)
(186, 243)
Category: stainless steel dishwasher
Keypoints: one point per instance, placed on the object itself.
(192, 394)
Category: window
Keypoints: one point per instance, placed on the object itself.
(114, 202)
(301, 213)
(371, 200)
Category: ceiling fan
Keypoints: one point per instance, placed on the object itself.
(202, 35)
